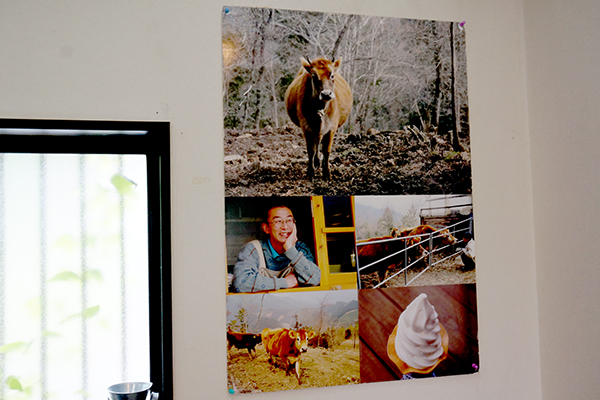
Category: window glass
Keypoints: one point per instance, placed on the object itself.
(338, 212)
(340, 248)
(74, 312)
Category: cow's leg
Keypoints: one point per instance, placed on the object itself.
(382, 273)
(326, 149)
(286, 365)
(297, 365)
(312, 146)
(316, 141)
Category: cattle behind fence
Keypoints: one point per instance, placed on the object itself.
(426, 256)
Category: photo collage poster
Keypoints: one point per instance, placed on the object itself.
(350, 237)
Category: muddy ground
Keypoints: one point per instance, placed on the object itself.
(270, 162)
(446, 272)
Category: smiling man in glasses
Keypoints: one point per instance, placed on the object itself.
(278, 262)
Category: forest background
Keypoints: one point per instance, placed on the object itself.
(372, 222)
(403, 72)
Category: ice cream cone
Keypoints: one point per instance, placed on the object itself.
(407, 369)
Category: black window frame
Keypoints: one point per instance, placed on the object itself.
(111, 137)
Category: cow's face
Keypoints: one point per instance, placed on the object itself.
(301, 338)
(447, 238)
(413, 241)
(322, 76)
(257, 339)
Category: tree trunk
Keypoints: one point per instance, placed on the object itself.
(438, 77)
(340, 37)
(455, 103)
(258, 61)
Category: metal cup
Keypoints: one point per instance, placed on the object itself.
(131, 391)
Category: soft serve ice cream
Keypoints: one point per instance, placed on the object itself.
(418, 337)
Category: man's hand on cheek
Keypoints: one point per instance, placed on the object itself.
(291, 240)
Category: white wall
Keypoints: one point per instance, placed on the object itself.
(161, 60)
(563, 54)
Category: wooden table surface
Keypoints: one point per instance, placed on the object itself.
(379, 310)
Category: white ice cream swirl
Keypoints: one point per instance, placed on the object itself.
(418, 338)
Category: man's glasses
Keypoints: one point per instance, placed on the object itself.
(278, 222)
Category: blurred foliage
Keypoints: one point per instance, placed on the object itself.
(122, 184)
(14, 384)
(14, 347)
(107, 194)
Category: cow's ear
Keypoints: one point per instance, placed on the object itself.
(306, 64)
(337, 63)
(292, 334)
(311, 335)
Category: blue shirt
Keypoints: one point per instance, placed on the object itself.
(247, 278)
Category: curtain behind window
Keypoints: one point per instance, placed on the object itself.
(73, 274)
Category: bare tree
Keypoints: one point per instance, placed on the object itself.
(322, 319)
(386, 222)
(412, 217)
(455, 103)
(401, 71)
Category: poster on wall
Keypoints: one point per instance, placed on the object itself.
(350, 239)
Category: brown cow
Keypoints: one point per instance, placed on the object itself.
(323, 340)
(440, 237)
(288, 345)
(402, 232)
(370, 253)
(319, 101)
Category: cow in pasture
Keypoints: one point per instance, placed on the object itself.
(288, 345)
(440, 237)
(241, 341)
(319, 101)
(402, 232)
(323, 340)
(370, 253)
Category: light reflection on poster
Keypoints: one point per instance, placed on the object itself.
(348, 200)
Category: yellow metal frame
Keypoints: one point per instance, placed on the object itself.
(329, 281)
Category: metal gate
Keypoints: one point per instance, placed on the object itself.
(426, 256)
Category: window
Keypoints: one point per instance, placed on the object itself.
(85, 297)
(334, 225)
